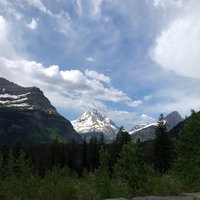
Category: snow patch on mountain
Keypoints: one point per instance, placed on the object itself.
(93, 121)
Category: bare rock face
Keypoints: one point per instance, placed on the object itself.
(26, 114)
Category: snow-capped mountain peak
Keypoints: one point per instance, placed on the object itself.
(93, 121)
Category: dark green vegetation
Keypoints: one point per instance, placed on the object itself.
(34, 126)
(96, 170)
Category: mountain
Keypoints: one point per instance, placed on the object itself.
(92, 123)
(26, 114)
(147, 132)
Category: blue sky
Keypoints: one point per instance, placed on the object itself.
(131, 59)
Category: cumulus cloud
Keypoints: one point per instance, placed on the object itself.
(177, 47)
(6, 47)
(130, 119)
(97, 76)
(72, 84)
(33, 24)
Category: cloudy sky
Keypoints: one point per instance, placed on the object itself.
(130, 59)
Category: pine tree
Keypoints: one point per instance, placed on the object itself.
(187, 165)
(123, 137)
(10, 163)
(102, 174)
(22, 166)
(162, 151)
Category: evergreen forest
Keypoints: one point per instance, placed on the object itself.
(95, 170)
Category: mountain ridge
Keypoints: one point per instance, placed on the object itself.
(26, 114)
(147, 132)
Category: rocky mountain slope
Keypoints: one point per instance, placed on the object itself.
(92, 123)
(147, 132)
(26, 114)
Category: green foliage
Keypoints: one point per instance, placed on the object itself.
(131, 169)
(103, 175)
(165, 185)
(123, 137)
(1, 165)
(22, 166)
(10, 163)
(187, 165)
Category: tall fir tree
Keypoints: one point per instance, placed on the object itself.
(10, 166)
(187, 165)
(103, 174)
(162, 150)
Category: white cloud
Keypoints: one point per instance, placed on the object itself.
(177, 47)
(97, 76)
(69, 84)
(129, 119)
(6, 47)
(90, 59)
(33, 24)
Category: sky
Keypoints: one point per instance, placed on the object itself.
(131, 60)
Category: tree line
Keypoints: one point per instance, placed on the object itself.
(96, 170)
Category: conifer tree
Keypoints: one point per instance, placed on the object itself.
(102, 174)
(162, 151)
(187, 165)
(10, 163)
(22, 166)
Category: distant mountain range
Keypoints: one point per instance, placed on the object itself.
(147, 132)
(92, 123)
(26, 114)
